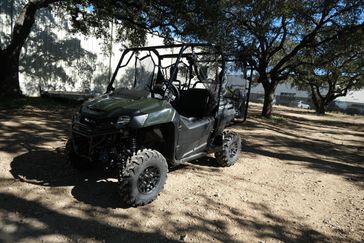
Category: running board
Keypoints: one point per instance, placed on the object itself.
(192, 157)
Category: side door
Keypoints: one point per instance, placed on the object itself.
(193, 135)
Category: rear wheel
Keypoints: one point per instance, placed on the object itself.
(230, 150)
(143, 178)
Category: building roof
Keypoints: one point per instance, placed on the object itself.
(353, 96)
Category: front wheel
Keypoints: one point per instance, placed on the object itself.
(143, 178)
(230, 150)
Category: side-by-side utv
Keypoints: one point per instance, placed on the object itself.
(164, 105)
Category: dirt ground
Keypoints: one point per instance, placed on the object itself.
(300, 178)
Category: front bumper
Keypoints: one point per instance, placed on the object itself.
(85, 139)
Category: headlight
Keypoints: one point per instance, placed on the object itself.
(122, 121)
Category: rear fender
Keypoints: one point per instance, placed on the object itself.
(225, 115)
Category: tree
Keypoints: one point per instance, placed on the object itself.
(9, 56)
(87, 16)
(275, 32)
(333, 69)
(268, 34)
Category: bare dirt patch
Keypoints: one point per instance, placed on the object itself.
(300, 178)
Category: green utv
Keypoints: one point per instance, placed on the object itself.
(164, 105)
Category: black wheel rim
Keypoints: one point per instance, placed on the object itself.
(234, 149)
(148, 179)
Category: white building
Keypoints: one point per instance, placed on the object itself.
(287, 94)
(55, 60)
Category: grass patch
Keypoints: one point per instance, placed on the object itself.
(43, 103)
(278, 119)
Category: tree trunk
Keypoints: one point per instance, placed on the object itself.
(9, 57)
(320, 107)
(9, 74)
(318, 100)
(269, 90)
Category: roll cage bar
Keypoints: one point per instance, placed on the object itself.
(178, 56)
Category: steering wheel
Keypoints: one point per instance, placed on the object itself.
(172, 93)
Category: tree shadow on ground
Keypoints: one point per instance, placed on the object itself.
(47, 167)
(25, 214)
(32, 129)
(294, 138)
(264, 224)
(330, 146)
(354, 174)
(56, 223)
(321, 121)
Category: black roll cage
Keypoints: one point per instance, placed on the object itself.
(178, 56)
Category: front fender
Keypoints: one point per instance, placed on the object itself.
(154, 118)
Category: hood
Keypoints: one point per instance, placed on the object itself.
(107, 106)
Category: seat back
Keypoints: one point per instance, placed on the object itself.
(195, 103)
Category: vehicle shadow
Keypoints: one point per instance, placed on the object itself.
(206, 161)
(52, 169)
(49, 168)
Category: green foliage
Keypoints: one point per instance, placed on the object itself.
(92, 17)
(267, 34)
(332, 69)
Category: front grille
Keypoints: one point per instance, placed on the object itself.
(82, 144)
(100, 127)
(100, 124)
